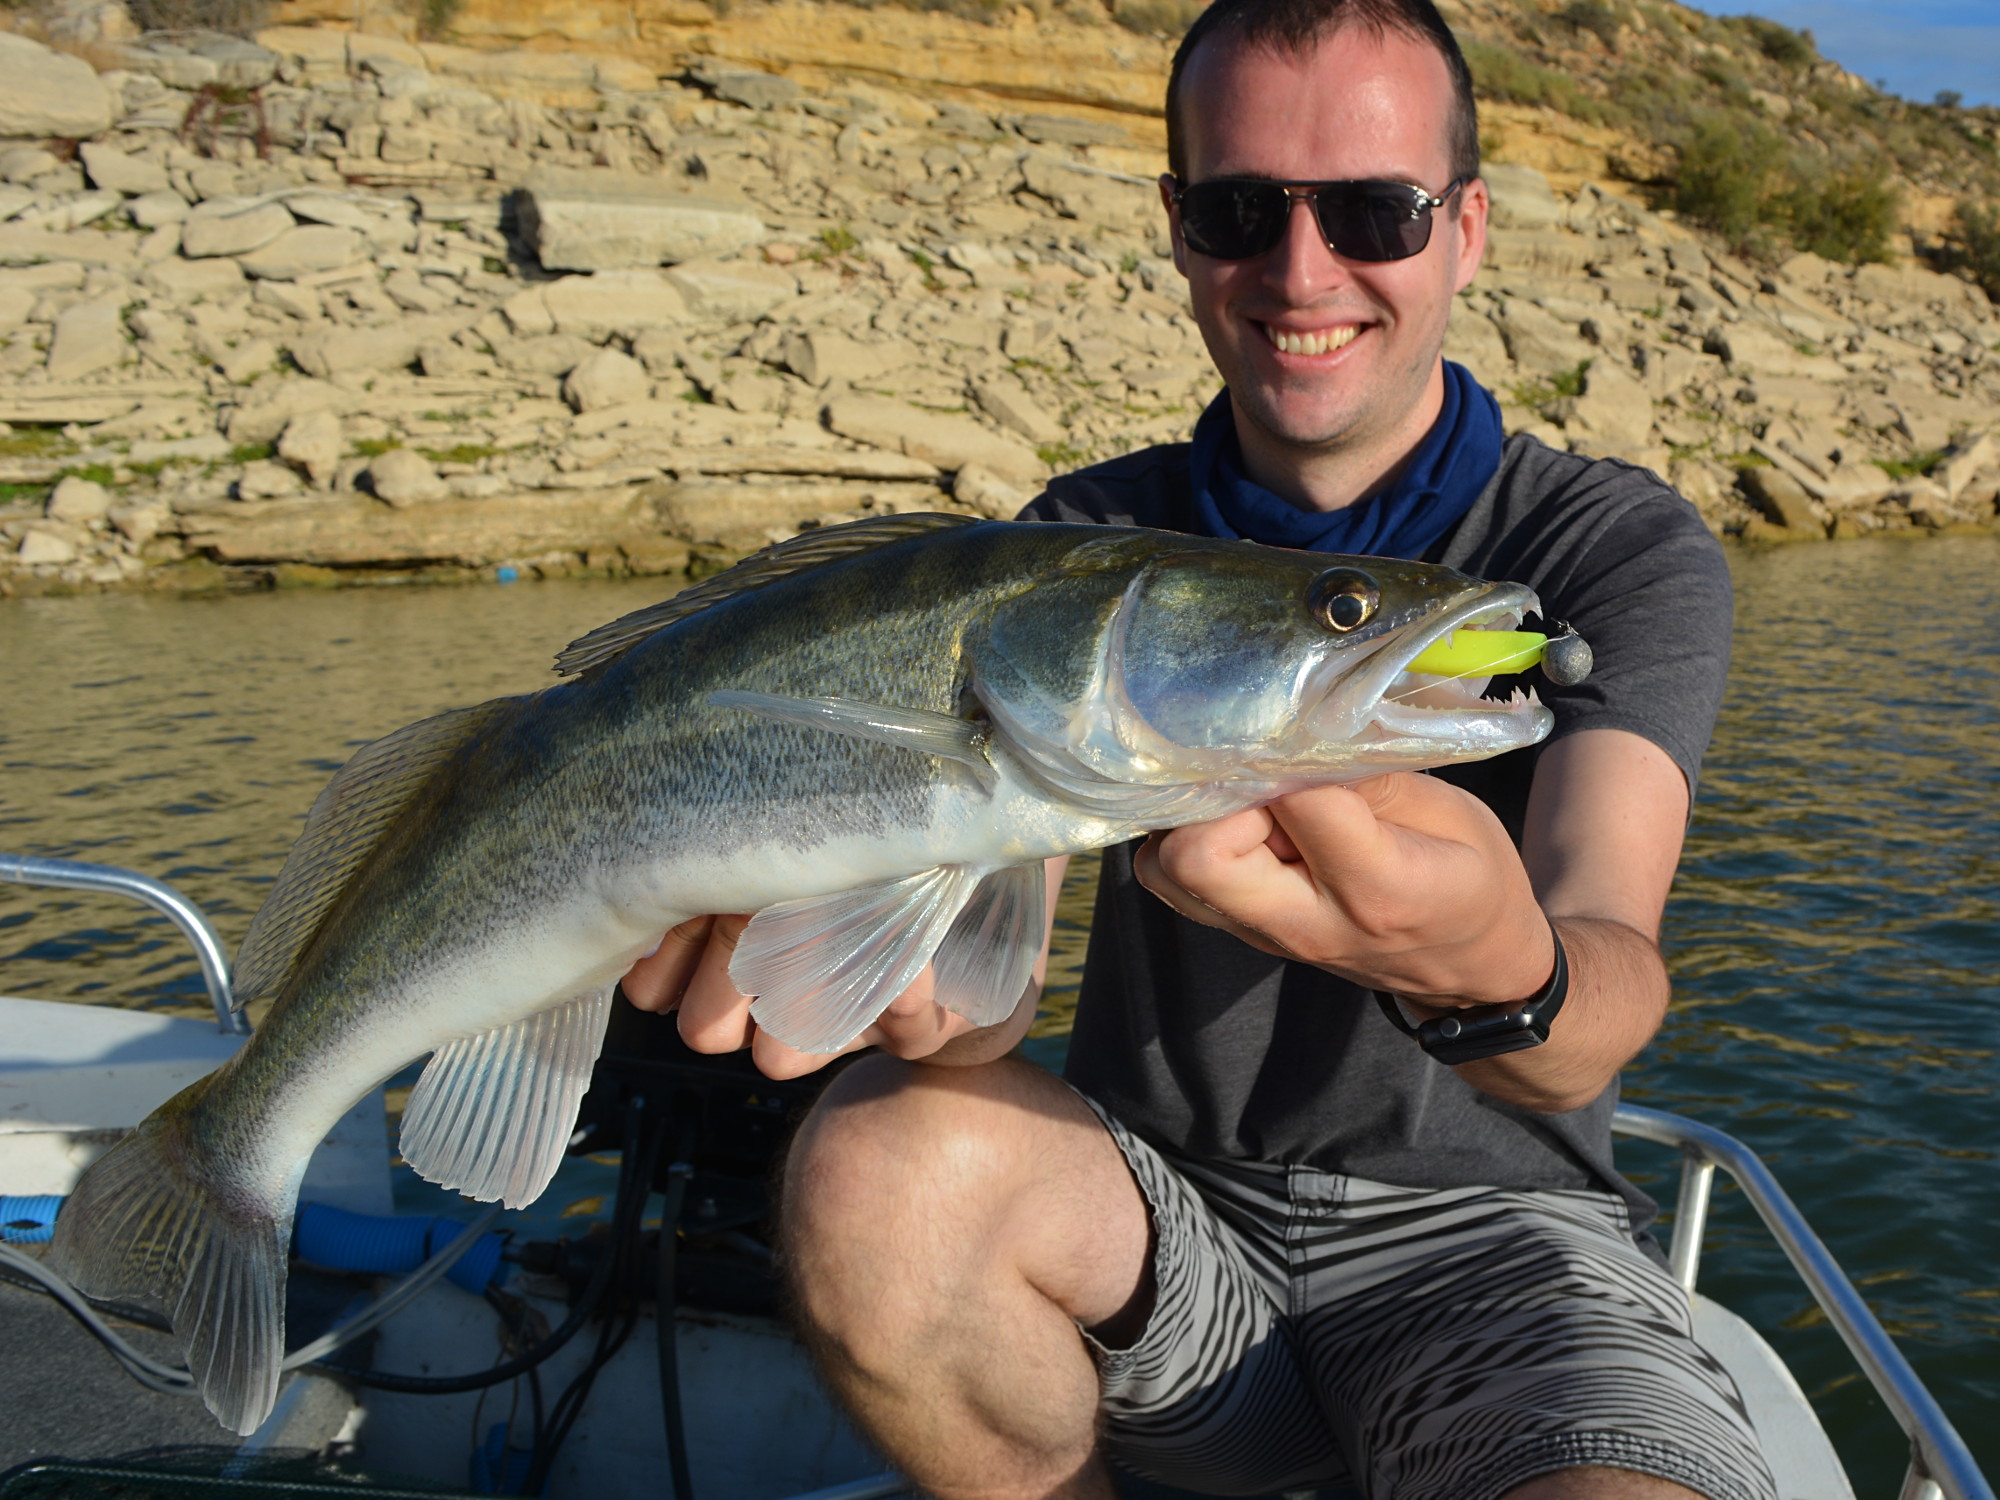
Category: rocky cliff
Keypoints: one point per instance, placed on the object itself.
(339, 303)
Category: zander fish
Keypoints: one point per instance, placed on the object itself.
(870, 736)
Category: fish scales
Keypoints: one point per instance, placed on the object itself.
(857, 736)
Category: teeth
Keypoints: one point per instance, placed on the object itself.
(1311, 343)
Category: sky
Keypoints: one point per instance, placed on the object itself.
(1914, 47)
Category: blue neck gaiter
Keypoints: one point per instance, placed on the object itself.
(1444, 476)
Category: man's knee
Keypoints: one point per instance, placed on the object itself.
(1595, 1483)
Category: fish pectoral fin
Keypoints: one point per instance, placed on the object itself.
(916, 729)
(492, 1114)
(989, 955)
(823, 969)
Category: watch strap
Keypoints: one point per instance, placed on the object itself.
(1483, 1031)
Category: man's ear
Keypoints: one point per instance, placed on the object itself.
(1173, 221)
(1475, 205)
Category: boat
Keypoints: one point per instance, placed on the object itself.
(410, 1379)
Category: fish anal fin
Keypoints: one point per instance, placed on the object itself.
(811, 549)
(141, 1228)
(347, 821)
(987, 958)
(492, 1113)
(916, 729)
(823, 969)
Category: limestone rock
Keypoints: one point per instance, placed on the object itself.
(151, 210)
(594, 220)
(1966, 461)
(187, 281)
(271, 407)
(302, 250)
(1781, 498)
(112, 169)
(264, 480)
(1471, 339)
(89, 336)
(45, 93)
(41, 548)
(404, 477)
(78, 499)
(986, 492)
(312, 443)
(1540, 342)
(1006, 401)
(625, 303)
(1553, 254)
(735, 291)
(950, 442)
(820, 357)
(607, 378)
(1522, 197)
(328, 352)
(226, 226)
(247, 360)
(551, 355)
(1614, 409)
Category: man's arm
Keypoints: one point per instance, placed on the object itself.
(1410, 885)
(690, 973)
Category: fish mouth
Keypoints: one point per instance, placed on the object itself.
(1382, 702)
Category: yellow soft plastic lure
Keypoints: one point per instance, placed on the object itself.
(1563, 658)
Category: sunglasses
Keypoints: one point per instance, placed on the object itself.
(1238, 218)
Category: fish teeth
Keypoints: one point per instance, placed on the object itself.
(1319, 341)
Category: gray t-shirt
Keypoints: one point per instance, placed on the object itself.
(1204, 1045)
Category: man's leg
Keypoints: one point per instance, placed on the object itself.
(1601, 1484)
(945, 1231)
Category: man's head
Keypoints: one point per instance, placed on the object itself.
(1331, 356)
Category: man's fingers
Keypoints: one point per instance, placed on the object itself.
(715, 1015)
(655, 982)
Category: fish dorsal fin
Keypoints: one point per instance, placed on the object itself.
(347, 821)
(825, 967)
(492, 1114)
(811, 549)
(987, 958)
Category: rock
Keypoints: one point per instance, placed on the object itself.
(404, 477)
(1548, 254)
(42, 548)
(625, 303)
(592, 220)
(1614, 409)
(89, 336)
(527, 313)
(607, 378)
(225, 226)
(327, 352)
(186, 281)
(312, 443)
(140, 523)
(1471, 339)
(22, 245)
(1522, 197)
(113, 170)
(45, 93)
(1538, 341)
(1781, 498)
(741, 515)
(151, 210)
(1006, 401)
(269, 408)
(264, 480)
(753, 90)
(247, 360)
(303, 250)
(551, 355)
(986, 492)
(1965, 462)
(78, 499)
(950, 442)
(1749, 347)
(734, 291)
(820, 357)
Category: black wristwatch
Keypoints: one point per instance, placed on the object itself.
(1488, 1030)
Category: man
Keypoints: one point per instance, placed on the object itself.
(1274, 1244)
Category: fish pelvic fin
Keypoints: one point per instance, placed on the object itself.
(492, 1113)
(141, 1227)
(364, 800)
(987, 958)
(812, 549)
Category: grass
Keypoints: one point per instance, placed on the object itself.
(1539, 393)
(460, 453)
(250, 453)
(1060, 455)
(34, 442)
(374, 447)
(1913, 467)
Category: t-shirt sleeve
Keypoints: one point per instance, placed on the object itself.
(1650, 592)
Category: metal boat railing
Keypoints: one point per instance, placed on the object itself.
(75, 875)
(1940, 1463)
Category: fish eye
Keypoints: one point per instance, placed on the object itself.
(1343, 599)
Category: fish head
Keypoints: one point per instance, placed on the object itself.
(1172, 661)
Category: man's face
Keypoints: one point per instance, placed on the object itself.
(1361, 371)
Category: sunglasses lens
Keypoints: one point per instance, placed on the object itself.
(1233, 220)
(1374, 222)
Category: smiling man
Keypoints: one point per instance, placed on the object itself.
(1276, 1232)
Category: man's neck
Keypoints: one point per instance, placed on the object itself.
(1336, 475)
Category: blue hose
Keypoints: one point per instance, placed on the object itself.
(344, 1241)
(29, 1220)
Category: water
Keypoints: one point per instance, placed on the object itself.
(1833, 934)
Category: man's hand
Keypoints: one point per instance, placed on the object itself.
(690, 973)
(1405, 883)
(1402, 883)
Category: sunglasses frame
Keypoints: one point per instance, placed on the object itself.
(1424, 206)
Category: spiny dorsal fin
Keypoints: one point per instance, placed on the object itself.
(346, 822)
(812, 549)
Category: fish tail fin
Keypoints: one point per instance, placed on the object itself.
(142, 1227)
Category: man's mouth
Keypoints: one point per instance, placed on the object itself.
(1313, 341)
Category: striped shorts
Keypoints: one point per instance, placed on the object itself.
(1318, 1332)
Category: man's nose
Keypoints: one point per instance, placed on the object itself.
(1302, 262)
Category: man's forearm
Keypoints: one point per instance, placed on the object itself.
(1617, 996)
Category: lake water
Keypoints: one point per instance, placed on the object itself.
(1834, 934)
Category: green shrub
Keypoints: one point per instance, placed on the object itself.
(1721, 182)
(1848, 216)
(237, 17)
(1503, 74)
(1595, 17)
(1793, 49)
(1975, 246)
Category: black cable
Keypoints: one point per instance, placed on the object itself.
(664, 1330)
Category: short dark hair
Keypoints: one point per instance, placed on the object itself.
(1296, 25)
